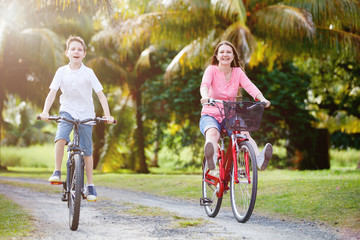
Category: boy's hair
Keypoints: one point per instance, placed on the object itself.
(76, 39)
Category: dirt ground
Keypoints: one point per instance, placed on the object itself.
(123, 214)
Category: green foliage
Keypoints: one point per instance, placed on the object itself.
(21, 127)
(36, 156)
(287, 117)
(174, 109)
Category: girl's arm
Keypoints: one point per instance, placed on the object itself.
(48, 103)
(105, 106)
(204, 92)
(261, 98)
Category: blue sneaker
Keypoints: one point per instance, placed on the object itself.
(55, 178)
(91, 194)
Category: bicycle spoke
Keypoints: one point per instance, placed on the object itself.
(243, 193)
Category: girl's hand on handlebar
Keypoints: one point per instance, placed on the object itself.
(204, 101)
(268, 103)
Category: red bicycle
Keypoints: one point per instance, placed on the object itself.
(237, 165)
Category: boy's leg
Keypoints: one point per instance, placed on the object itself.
(85, 132)
(61, 139)
(91, 195)
(59, 153)
(89, 165)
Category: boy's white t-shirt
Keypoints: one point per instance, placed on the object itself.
(76, 87)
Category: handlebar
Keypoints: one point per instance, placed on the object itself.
(212, 102)
(96, 119)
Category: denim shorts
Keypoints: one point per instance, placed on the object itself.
(207, 122)
(85, 133)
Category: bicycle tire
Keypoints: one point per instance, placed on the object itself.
(75, 192)
(243, 194)
(209, 191)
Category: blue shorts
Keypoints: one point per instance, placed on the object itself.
(207, 122)
(85, 133)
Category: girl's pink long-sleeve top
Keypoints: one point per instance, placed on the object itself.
(219, 89)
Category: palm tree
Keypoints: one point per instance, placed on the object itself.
(135, 69)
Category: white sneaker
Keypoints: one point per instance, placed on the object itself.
(264, 157)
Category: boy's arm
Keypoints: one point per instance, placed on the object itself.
(105, 106)
(48, 103)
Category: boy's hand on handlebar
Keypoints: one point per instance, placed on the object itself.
(110, 119)
(44, 116)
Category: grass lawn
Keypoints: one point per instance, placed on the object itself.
(14, 221)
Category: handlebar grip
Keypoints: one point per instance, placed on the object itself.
(38, 117)
(115, 121)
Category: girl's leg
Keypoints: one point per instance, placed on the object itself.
(263, 157)
(212, 136)
(252, 142)
(89, 164)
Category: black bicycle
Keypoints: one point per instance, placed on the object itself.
(73, 186)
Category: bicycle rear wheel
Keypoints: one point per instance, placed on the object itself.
(243, 193)
(209, 191)
(74, 197)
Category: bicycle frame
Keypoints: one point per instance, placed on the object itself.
(74, 148)
(225, 159)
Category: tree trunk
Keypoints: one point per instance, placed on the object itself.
(143, 168)
(2, 101)
(358, 166)
(154, 162)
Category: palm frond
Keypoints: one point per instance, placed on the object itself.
(285, 26)
(338, 13)
(109, 71)
(193, 55)
(230, 11)
(143, 62)
(337, 41)
(64, 7)
(43, 45)
(243, 40)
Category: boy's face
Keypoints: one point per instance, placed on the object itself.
(76, 52)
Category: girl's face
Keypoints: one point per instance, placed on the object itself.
(225, 55)
(76, 52)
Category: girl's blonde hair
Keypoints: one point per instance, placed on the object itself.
(76, 39)
(235, 63)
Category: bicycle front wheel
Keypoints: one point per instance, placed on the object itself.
(210, 191)
(243, 192)
(74, 197)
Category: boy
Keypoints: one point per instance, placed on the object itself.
(76, 82)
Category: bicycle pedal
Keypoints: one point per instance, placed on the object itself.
(56, 183)
(205, 202)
